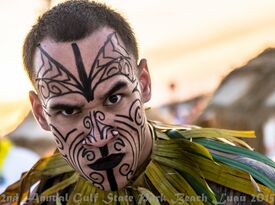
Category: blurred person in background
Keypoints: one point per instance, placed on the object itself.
(14, 159)
(91, 87)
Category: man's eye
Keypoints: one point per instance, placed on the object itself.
(113, 99)
(69, 111)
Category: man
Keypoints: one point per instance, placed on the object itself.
(82, 59)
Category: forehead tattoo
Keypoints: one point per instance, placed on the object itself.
(53, 79)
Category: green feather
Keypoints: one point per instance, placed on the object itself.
(220, 146)
(254, 172)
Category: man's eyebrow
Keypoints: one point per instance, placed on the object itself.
(117, 86)
(63, 106)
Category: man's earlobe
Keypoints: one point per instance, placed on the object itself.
(38, 111)
(145, 80)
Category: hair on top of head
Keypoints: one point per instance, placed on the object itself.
(74, 20)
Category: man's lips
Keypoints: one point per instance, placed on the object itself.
(108, 162)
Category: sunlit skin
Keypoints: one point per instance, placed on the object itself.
(90, 95)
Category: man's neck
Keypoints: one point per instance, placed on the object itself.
(147, 145)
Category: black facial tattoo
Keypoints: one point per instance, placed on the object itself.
(104, 166)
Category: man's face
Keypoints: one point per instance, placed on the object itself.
(90, 96)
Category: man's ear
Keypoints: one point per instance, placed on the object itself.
(38, 111)
(144, 80)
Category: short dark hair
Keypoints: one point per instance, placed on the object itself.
(74, 20)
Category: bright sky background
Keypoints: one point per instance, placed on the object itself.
(193, 43)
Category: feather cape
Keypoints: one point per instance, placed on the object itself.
(185, 162)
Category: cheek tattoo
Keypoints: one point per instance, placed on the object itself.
(96, 164)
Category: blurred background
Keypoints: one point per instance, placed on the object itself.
(211, 63)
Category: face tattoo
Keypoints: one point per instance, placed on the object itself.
(96, 114)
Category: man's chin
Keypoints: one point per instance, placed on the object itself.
(121, 183)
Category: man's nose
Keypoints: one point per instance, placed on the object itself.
(100, 138)
(100, 130)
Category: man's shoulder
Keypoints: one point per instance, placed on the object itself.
(220, 156)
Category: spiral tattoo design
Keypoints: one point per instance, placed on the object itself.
(54, 80)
